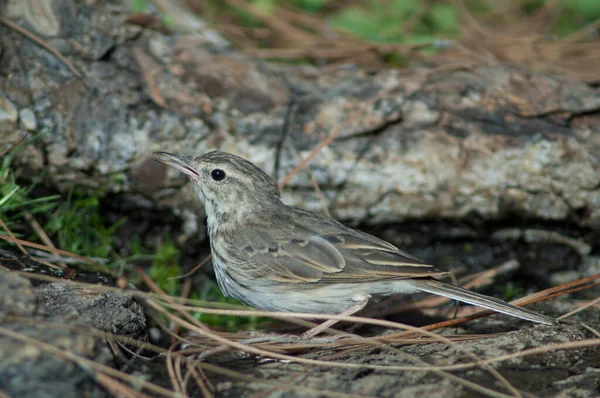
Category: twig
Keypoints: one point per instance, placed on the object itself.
(41, 43)
(9, 232)
(84, 362)
(117, 388)
(149, 68)
(76, 328)
(41, 234)
(185, 291)
(196, 268)
(55, 251)
(591, 329)
(253, 350)
(175, 382)
(581, 308)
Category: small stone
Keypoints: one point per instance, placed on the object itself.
(63, 46)
(17, 295)
(28, 119)
(8, 114)
(562, 277)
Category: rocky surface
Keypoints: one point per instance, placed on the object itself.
(493, 142)
(40, 325)
(555, 374)
(117, 313)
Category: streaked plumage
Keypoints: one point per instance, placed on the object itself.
(279, 258)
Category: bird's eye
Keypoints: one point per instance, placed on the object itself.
(218, 175)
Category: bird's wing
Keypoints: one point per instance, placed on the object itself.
(370, 258)
(303, 255)
(285, 259)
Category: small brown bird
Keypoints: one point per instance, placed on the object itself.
(275, 257)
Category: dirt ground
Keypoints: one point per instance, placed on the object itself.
(68, 317)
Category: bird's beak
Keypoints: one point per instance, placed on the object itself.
(178, 162)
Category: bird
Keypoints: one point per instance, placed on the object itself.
(275, 257)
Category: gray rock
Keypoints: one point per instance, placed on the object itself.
(8, 114)
(38, 325)
(17, 297)
(28, 120)
(114, 312)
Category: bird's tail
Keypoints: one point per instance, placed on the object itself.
(480, 300)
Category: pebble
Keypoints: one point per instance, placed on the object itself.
(8, 114)
(28, 120)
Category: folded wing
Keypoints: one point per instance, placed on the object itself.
(302, 255)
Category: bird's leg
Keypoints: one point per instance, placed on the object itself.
(359, 305)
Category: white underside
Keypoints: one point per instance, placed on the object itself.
(327, 299)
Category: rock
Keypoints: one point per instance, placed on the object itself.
(38, 325)
(8, 115)
(419, 144)
(28, 120)
(17, 298)
(114, 312)
(28, 366)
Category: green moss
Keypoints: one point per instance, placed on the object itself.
(165, 265)
(79, 225)
(16, 199)
(139, 5)
(312, 6)
(512, 291)
(468, 248)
